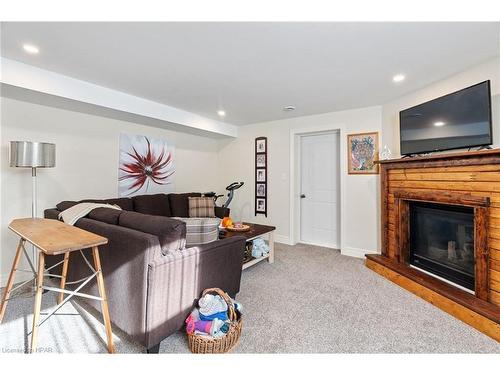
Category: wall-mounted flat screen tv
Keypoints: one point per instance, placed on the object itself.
(458, 120)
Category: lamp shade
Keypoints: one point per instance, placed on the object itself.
(25, 154)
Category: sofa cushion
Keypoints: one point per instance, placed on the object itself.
(179, 206)
(64, 205)
(201, 230)
(171, 233)
(201, 207)
(154, 204)
(123, 203)
(106, 215)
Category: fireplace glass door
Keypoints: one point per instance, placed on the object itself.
(442, 241)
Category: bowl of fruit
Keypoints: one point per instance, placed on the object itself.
(238, 227)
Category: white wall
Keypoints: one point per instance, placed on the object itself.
(87, 150)
(361, 192)
(87, 158)
(236, 158)
(488, 70)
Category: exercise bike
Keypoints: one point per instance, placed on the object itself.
(230, 188)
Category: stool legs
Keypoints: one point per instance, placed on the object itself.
(38, 301)
(104, 302)
(63, 277)
(39, 292)
(10, 281)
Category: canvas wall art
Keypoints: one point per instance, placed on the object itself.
(362, 152)
(146, 166)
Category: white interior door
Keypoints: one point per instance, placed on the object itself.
(319, 181)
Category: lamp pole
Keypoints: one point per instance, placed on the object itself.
(33, 208)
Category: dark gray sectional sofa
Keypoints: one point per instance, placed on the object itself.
(151, 279)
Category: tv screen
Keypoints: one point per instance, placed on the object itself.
(457, 120)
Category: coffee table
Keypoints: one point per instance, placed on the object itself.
(256, 231)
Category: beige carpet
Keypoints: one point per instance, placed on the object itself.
(311, 300)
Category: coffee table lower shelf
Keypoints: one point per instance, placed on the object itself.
(253, 261)
(256, 231)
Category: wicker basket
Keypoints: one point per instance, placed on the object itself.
(211, 345)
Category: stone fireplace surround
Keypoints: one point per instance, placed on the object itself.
(469, 179)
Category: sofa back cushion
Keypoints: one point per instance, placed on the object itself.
(179, 206)
(154, 204)
(64, 205)
(171, 233)
(201, 207)
(124, 203)
(106, 215)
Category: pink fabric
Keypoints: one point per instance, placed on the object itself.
(197, 325)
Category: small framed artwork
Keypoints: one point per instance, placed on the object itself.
(260, 160)
(261, 175)
(261, 190)
(362, 153)
(260, 145)
(261, 205)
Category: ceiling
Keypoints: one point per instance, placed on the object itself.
(253, 70)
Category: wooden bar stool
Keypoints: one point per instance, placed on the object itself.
(52, 237)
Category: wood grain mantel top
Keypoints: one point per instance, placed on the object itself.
(443, 156)
(53, 236)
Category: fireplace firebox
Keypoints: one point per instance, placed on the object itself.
(444, 234)
(442, 241)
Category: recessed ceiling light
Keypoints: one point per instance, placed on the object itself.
(439, 123)
(289, 108)
(31, 49)
(398, 78)
(221, 113)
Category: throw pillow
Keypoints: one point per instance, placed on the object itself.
(201, 207)
(179, 203)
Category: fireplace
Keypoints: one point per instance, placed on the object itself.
(442, 242)
(436, 212)
(445, 235)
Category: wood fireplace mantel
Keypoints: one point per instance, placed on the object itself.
(488, 156)
(469, 179)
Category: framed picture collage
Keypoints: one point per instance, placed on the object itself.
(261, 176)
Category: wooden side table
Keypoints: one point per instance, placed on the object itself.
(52, 237)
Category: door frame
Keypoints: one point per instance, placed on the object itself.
(295, 178)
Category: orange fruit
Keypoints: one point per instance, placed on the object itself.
(227, 222)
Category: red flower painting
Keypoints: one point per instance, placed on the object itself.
(144, 165)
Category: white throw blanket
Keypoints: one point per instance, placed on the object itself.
(72, 214)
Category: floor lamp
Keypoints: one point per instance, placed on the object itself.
(32, 155)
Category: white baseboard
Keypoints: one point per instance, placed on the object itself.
(356, 252)
(319, 244)
(282, 239)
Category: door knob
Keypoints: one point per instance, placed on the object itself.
(302, 196)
